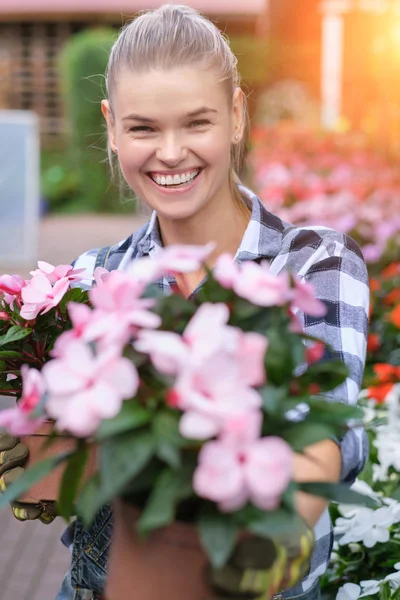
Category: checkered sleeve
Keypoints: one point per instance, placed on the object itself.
(334, 265)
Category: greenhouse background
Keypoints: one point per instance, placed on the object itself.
(323, 81)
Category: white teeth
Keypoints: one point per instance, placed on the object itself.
(175, 179)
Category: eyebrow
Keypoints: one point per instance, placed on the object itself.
(191, 114)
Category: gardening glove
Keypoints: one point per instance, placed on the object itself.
(259, 567)
(13, 456)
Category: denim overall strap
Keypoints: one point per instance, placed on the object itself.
(90, 547)
(90, 554)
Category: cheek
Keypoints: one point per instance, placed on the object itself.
(216, 149)
(132, 158)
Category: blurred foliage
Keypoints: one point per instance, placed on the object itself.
(82, 175)
(254, 58)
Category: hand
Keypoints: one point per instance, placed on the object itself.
(13, 456)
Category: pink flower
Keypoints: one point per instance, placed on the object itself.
(19, 420)
(119, 309)
(250, 355)
(84, 389)
(305, 300)
(211, 394)
(253, 282)
(170, 260)
(11, 286)
(226, 270)
(241, 467)
(81, 316)
(39, 296)
(54, 274)
(206, 334)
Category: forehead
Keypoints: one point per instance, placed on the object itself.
(180, 90)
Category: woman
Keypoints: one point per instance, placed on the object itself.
(177, 121)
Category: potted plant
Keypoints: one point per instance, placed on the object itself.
(183, 399)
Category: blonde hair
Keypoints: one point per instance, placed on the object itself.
(172, 36)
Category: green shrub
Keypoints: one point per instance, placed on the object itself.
(83, 62)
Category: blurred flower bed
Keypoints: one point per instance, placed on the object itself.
(338, 180)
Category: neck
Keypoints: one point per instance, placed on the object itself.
(223, 222)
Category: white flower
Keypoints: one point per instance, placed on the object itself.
(394, 578)
(362, 487)
(370, 587)
(387, 443)
(349, 591)
(366, 525)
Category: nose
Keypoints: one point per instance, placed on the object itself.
(171, 150)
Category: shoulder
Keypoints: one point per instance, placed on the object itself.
(317, 248)
(116, 253)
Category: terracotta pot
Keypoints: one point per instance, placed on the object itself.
(168, 564)
(47, 488)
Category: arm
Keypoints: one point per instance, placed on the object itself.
(333, 264)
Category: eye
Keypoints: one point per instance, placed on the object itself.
(141, 129)
(199, 123)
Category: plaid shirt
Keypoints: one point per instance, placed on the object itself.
(333, 264)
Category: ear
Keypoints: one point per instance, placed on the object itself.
(107, 114)
(238, 121)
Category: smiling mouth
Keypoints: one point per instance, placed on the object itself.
(174, 181)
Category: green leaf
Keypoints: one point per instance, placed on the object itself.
(73, 295)
(279, 360)
(168, 490)
(338, 492)
(327, 374)
(270, 524)
(167, 437)
(334, 412)
(14, 334)
(70, 483)
(31, 476)
(301, 435)
(218, 533)
(273, 398)
(87, 498)
(131, 416)
(121, 459)
(4, 354)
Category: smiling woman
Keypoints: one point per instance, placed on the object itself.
(177, 122)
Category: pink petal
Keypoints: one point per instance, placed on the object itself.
(60, 380)
(226, 271)
(121, 375)
(268, 470)
(59, 290)
(37, 290)
(196, 426)
(251, 358)
(31, 311)
(218, 476)
(15, 422)
(166, 349)
(242, 429)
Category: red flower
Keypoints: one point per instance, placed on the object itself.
(393, 297)
(315, 352)
(379, 392)
(374, 342)
(394, 316)
(374, 285)
(391, 271)
(387, 373)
